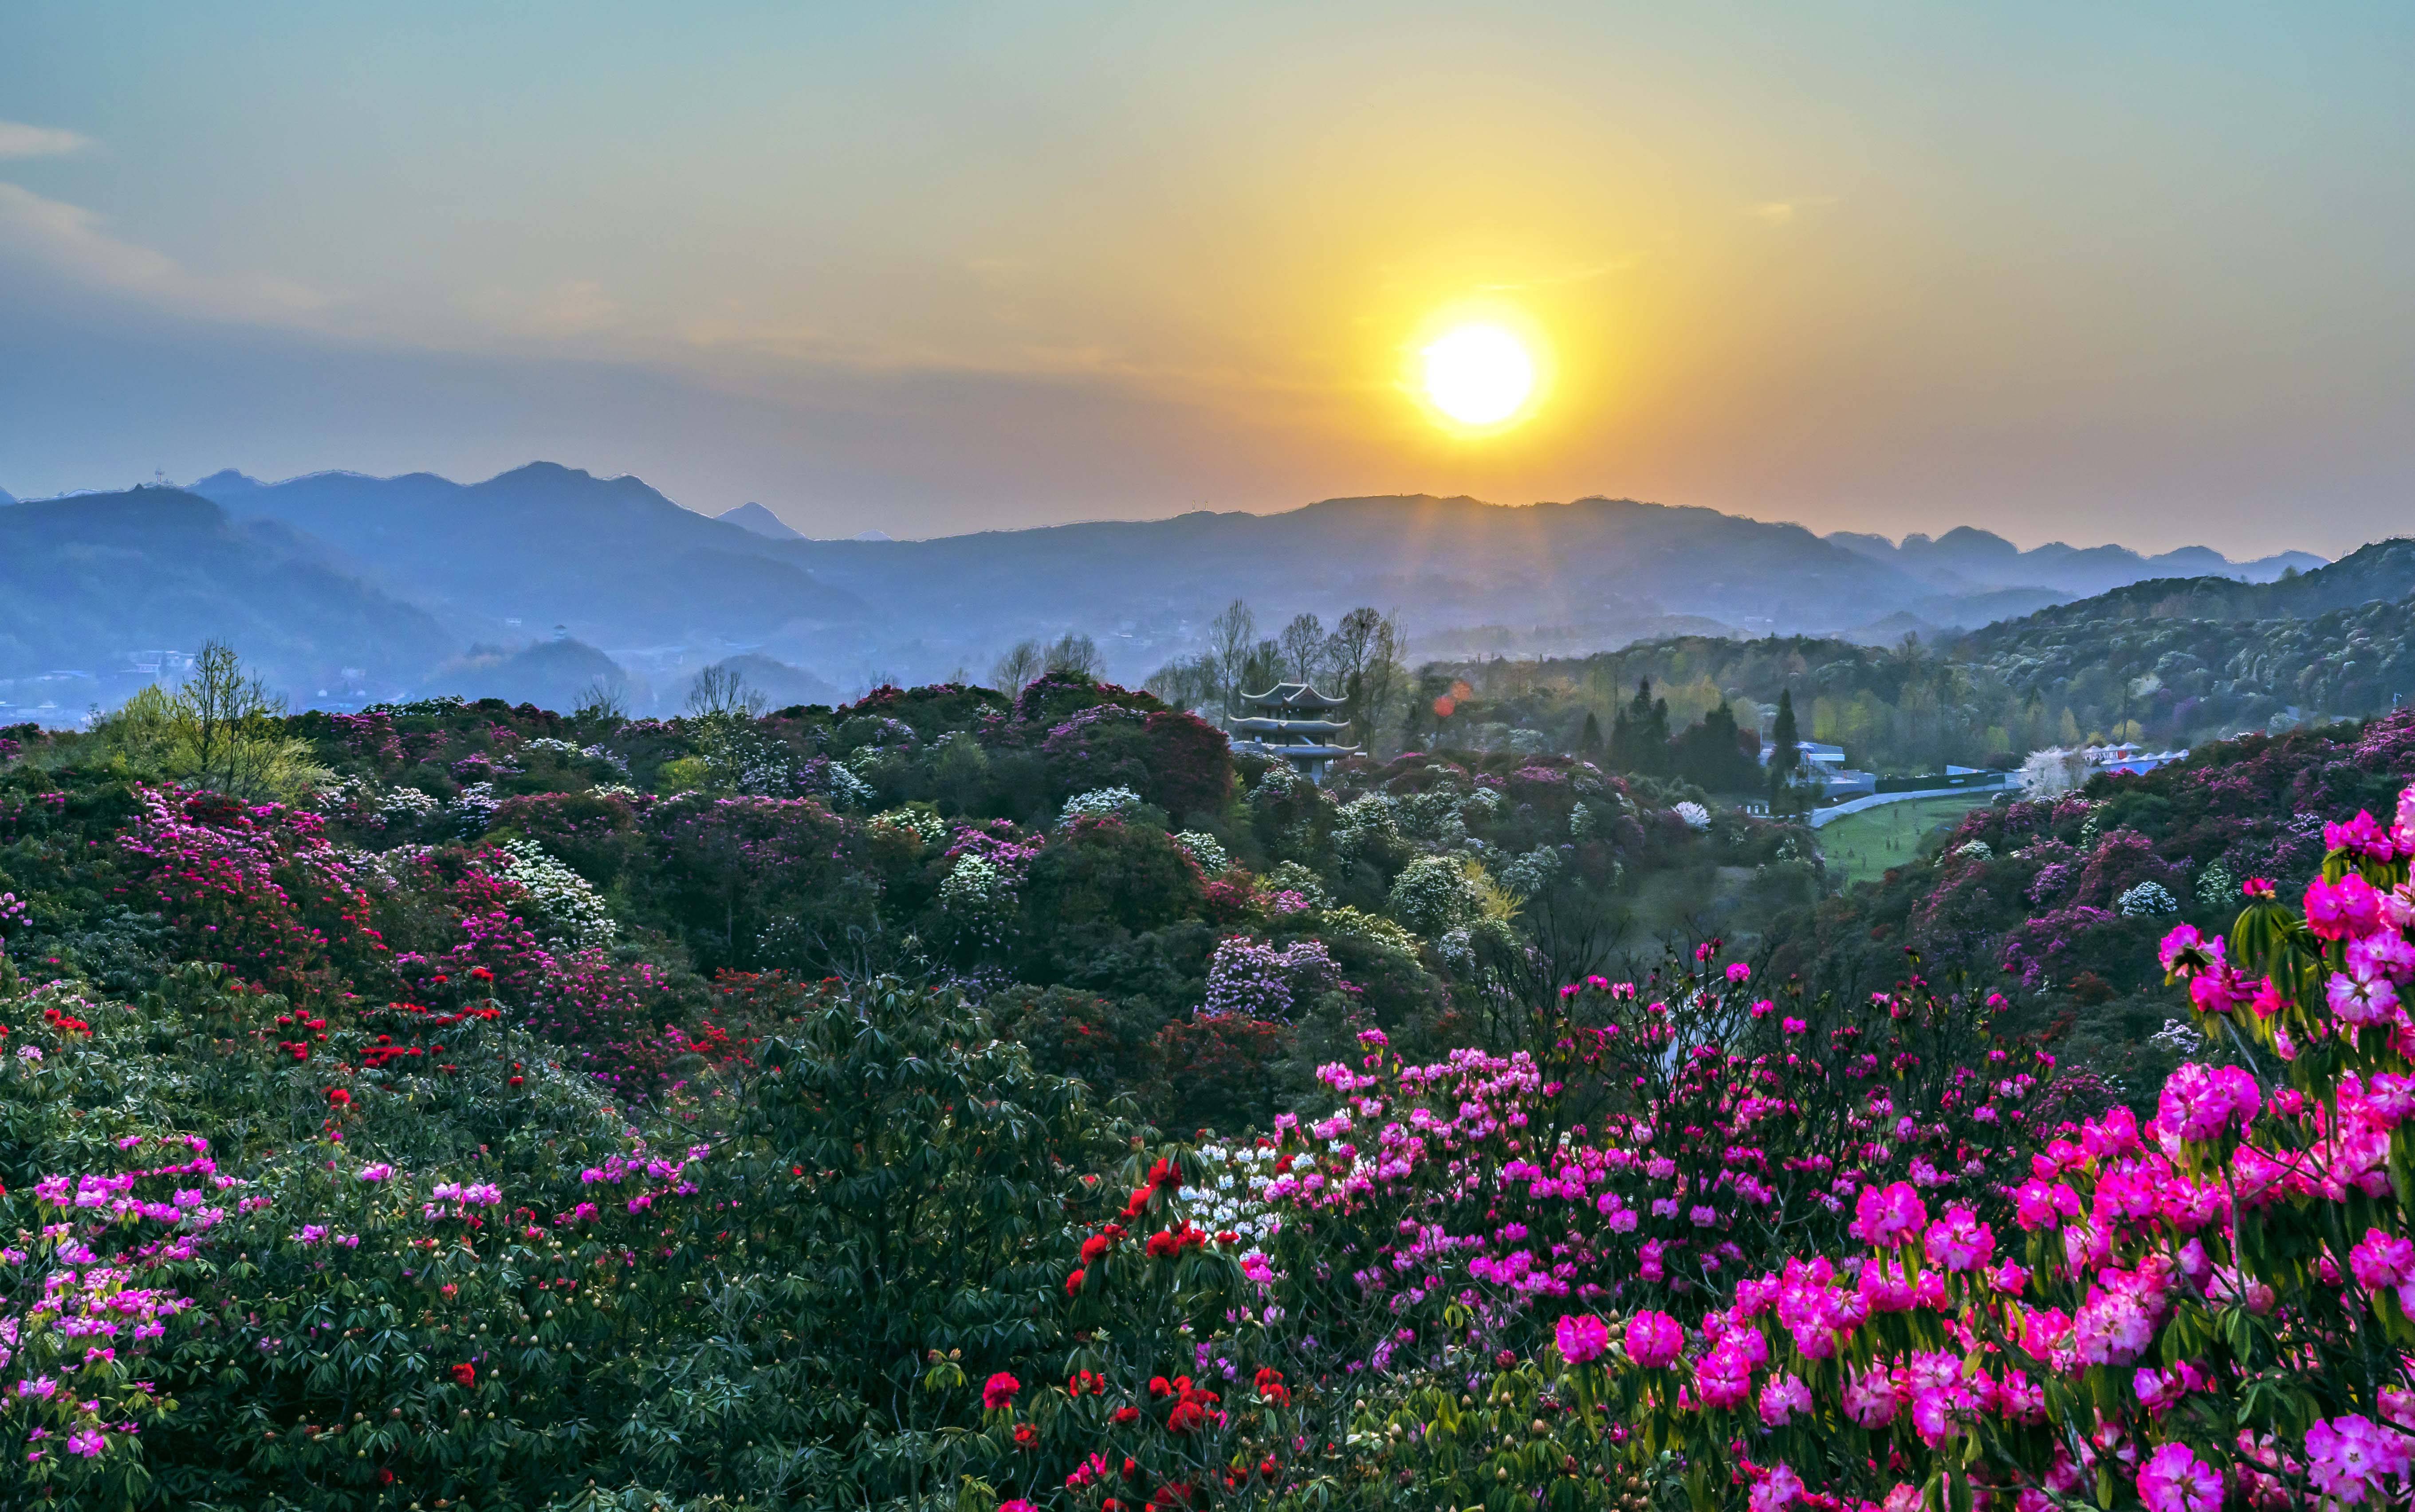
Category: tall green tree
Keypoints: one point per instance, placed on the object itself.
(1639, 739)
(1785, 754)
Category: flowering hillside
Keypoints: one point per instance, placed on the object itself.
(474, 1106)
(2060, 904)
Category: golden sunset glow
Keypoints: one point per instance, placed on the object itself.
(1479, 375)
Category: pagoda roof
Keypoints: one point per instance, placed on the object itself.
(1302, 727)
(1293, 696)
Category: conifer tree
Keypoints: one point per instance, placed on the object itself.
(1785, 752)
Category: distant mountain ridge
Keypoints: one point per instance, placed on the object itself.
(1967, 558)
(753, 516)
(89, 584)
(545, 553)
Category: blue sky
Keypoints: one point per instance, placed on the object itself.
(2062, 271)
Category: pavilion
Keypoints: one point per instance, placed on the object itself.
(1287, 720)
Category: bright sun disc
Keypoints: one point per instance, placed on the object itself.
(1479, 375)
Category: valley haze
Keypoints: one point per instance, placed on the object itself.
(346, 589)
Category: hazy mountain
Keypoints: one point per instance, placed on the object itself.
(2191, 658)
(560, 675)
(92, 581)
(7, 497)
(608, 558)
(546, 556)
(1597, 569)
(752, 517)
(1965, 560)
(2382, 573)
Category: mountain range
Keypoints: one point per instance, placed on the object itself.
(340, 583)
(1970, 561)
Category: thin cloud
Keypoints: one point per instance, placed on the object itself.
(70, 240)
(18, 140)
(1782, 212)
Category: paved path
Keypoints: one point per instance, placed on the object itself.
(1855, 805)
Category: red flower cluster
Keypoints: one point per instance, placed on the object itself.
(1161, 1175)
(465, 1376)
(1168, 1243)
(999, 1391)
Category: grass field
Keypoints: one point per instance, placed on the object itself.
(1861, 847)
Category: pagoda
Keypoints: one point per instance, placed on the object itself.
(1285, 721)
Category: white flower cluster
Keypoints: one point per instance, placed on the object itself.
(1433, 895)
(1203, 848)
(923, 824)
(563, 900)
(406, 805)
(1280, 780)
(339, 792)
(1581, 821)
(1693, 814)
(2148, 900)
(1231, 1191)
(2180, 1039)
(1099, 803)
(842, 787)
(977, 896)
(2215, 887)
(1531, 872)
(1366, 825)
(1291, 877)
(1483, 803)
(475, 807)
(1977, 851)
(547, 742)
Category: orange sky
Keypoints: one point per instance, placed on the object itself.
(2061, 272)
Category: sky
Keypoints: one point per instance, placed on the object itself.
(2141, 272)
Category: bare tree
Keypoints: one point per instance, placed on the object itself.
(1231, 637)
(603, 699)
(1380, 684)
(1353, 642)
(1014, 670)
(230, 721)
(1188, 682)
(719, 692)
(1262, 668)
(1074, 653)
(1303, 647)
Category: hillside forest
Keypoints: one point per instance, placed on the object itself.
(1005, 1099)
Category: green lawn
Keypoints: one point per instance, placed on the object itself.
(1861, 847)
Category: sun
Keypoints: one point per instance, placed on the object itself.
(1479, 374)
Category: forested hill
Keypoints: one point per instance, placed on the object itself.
(2383, 572)
(2188, 658)
(2171, 662)
(85, 580)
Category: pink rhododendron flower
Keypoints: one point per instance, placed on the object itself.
(2342, 909)
(2382, 1260)
(1582, 1338)
(1958, 1241)
(1654, 1339)
(1775, 1491)
(2173, 1479)
(1782, 1398)
(2361, 999)
(2199, 1102)
(2353, 1458)
(1882, 1219)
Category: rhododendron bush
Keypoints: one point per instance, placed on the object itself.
(2207, 1309)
